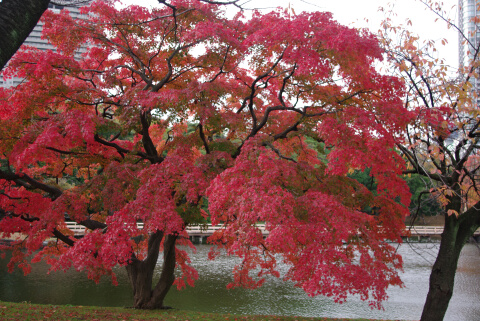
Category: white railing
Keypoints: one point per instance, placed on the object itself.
(193, 230)
(425, 230)
(205, 230)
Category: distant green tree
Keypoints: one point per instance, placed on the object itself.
(422, 202)
(365, 179)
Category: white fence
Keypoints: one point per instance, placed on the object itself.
(193, 230)
(207, 230)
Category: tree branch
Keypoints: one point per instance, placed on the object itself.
(30, 183)
(202, 137)
(122, 151)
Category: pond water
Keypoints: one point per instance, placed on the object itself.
(275, 297)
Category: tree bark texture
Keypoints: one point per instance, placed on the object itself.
(17, 20)
(141, 273)
(456, 233)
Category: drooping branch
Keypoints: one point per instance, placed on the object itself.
(279, 154)
(64, 152)
(62, 237)
(417, 169)
(92, 224)
(122, 151)
(415, 216)
(292, 128)
(30, 183)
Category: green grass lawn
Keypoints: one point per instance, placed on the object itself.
(28, 311)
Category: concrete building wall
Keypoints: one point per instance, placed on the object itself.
(468, 9)
(35, 40)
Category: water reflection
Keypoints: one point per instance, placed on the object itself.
(276, 297)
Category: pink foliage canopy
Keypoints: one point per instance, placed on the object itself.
(264, 117)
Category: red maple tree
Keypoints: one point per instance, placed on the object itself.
(176, 107)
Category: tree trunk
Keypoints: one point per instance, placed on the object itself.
(17, 20)
(442, 277)
(456, 233)
(141, 273)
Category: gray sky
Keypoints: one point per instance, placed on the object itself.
(355, 13)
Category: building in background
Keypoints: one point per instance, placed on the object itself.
(35, 40)
(467, 11)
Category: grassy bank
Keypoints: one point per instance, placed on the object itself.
(28, 311)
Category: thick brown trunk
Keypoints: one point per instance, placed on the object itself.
(167, 277)
(442, 277)
(456, 233)
(141, 273)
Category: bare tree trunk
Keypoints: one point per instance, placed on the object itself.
(141, 273)
(442, 277)
(456, 233)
